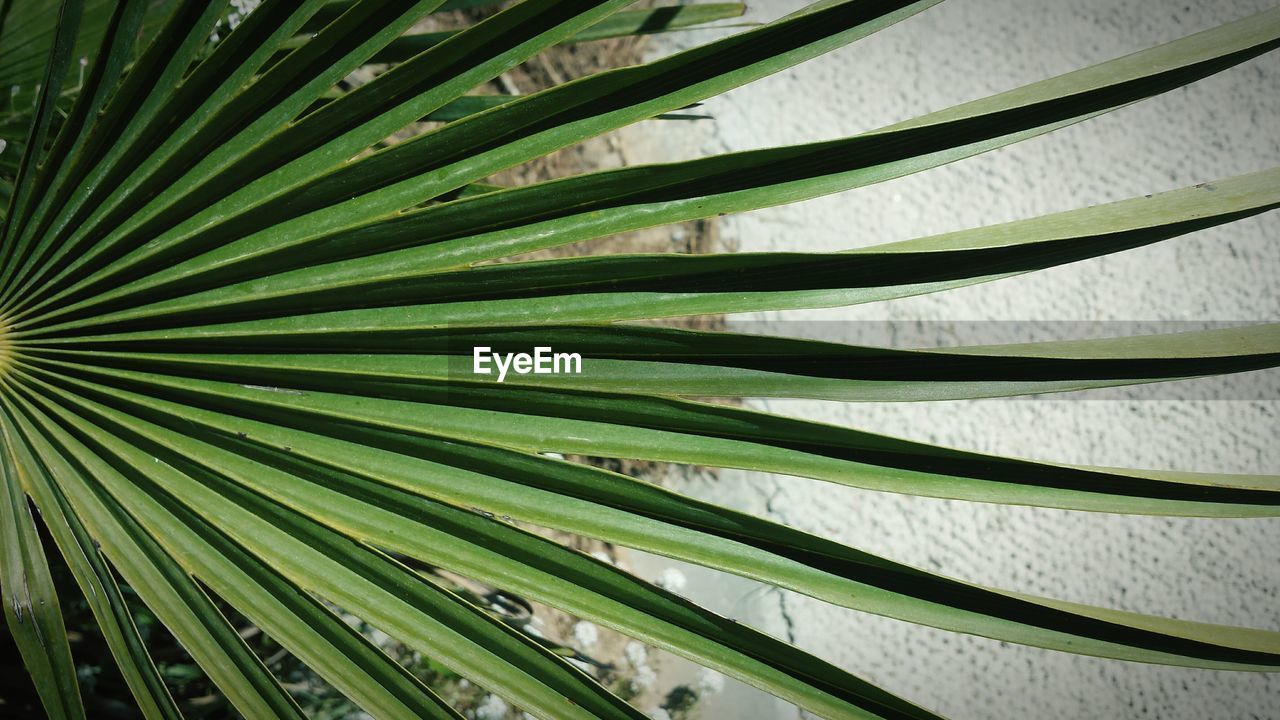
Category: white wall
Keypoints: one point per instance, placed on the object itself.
(1217, 571)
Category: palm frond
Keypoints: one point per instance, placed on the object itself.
(236, 328)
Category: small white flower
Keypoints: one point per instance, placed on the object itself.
(645, 677)
(493, 708)
(638, 656)
(241, 8)
(586, 635)
(710, 682)
(635, 653)
(671, 579)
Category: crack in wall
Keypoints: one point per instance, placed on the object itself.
(774, 513)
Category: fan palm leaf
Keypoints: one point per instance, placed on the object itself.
(236, 332)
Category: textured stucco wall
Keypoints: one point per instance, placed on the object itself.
(1218, 571)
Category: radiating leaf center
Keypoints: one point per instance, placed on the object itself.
(4, 346)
